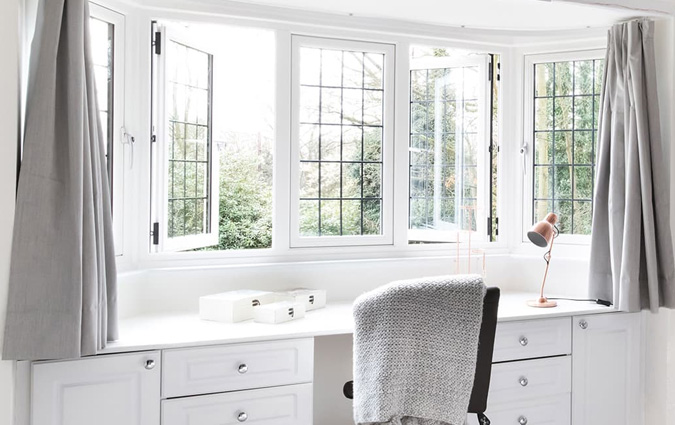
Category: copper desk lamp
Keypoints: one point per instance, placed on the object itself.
(542, 234)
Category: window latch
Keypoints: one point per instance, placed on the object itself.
(128, 140)
(523, 153)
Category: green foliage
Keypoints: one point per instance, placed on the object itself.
(245, 201)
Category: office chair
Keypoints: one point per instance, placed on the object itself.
(486, 343)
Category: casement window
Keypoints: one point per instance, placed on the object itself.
(106, 29)
(342, 142)
(562, 106)
(217, 123)
(214, 132)
(450, 139)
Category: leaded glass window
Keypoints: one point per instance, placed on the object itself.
(566, 108)
(340, 142)
(188, 106)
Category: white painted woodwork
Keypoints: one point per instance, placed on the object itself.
(106, 390)
(218, 369)
(542, 411)
(287, 405)
(574, 376)
(181, 330)
(530, 379)
(532, 339)
(606, 384)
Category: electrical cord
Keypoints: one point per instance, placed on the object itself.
(595, 300)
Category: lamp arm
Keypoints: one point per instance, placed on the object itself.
(547, 257)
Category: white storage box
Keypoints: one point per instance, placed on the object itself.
(233, 306)
(312, 298)
(280, 312)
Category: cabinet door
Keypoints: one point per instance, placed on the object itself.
(106, 390)
(606, 364)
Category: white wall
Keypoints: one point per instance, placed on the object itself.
(9, 30)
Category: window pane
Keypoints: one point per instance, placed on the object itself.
(221, 135)
(186, 104)
(102, 49)
(564, 161)
(346, 110)
(444, 149)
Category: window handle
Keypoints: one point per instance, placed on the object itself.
(523, 153)
(128, 140)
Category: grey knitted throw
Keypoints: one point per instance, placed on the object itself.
(415, 348)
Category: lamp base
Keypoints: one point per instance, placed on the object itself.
(542, 302)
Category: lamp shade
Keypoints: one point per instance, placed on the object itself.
(543, 232)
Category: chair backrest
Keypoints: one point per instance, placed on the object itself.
(486, 344)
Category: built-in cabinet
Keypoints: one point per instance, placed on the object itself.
(105, 390)
(583, 370)
(606, 365)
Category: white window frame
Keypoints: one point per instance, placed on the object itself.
(121, 155)
(160, 210)
(528, 136)
(387, 188)
(482, 155)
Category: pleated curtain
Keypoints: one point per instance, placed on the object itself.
(631, 251)
(62, 288)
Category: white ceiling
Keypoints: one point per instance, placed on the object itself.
(492, 14)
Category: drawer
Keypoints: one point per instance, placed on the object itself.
(530, 339)
(528, 379)
(195, 371)
(541, 411)
(288, 405)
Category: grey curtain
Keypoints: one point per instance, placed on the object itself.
(62, 288)
(631, 251)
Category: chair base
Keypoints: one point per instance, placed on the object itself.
(482, 419)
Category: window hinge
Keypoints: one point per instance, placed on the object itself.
(490, 71)
(489, 227)
(496, 226)
(157, 43)
(499, 71)
(155, 233)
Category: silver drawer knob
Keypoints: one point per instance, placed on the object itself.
(523, 341)
(242, 368)
(583, 324)
(523, 381)
(242, 416)
(150, 364)
(522, 420)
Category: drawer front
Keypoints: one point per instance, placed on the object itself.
(541, 411)
(236, 367)
(530, 379)
(288, 405)
(530, 339)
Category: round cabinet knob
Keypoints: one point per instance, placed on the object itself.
(522, 420)
(150, 364)
(523, 381)
(242, 368)
(523, 341)
(242, 417)
(583, 324)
